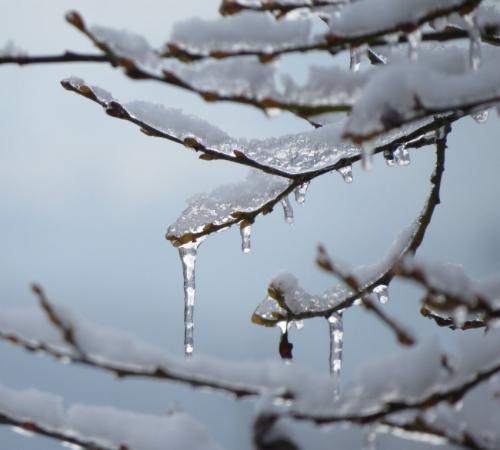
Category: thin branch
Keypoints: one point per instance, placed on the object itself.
(450, 394)
(32, 427)
(419, 426)
(66, 57)
(404, 336)
(277, 7)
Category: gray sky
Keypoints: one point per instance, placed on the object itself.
(85, 201)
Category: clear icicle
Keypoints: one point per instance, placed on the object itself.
(414, 39)
(287, 209)
(389, 158)
(382, 293)
(474, 40)
(346, 173)
(188, 253)
(481, 116)
(402, 156)
(300, 192)
(459, 316)
(299, 324)
(355, 60)
(246, 232)
(336, 328)
(369, 438)
(367, 155)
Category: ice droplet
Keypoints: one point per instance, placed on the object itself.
(369, 438)
(414, 39)
(389, 158)
(283, 326)
(474, 40)
(382, 293)
(402, 156)
(299, 324)
(71, 445)
(346, 173)
(187, 253)
(481, 116)
(287, 209)
(336, 328)
(246, 232)
(300, 192)
(439, 23)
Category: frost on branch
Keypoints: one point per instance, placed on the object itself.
(103, 428)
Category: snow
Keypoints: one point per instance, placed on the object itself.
(106, 426)
(418, 90)
(301, 303)
(220, 206)
(248, 31)
(372, 17)
(452, 281)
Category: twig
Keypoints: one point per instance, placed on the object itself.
(404, 336)
(32, 427)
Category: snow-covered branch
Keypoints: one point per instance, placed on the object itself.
(97, 427)
(295, 304)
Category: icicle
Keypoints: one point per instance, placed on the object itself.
(459, 316)
(336, 329)
(71, 446)
(188, 252)
(367, 155)
(402, 156)
(245, 231)
(346, 173)
(382, 293)
(300, 192)
(369, 438)
(481, 116)
(355, 60)
(287, 209)
(389, 158)
(414, 39)
(475, 40)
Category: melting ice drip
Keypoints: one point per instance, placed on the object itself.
(336, 328)
(287, 209)
(188, 252)
(382, 293)
(346, 173)
(414, 39)
(246, 243)
(300, 192)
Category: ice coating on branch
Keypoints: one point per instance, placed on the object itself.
(223, 205)
(373, 17)
(107, 426)
(418, 90)
(248, 31)
(292, 154)
(285, 293)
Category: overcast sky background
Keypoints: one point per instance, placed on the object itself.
(85, 201)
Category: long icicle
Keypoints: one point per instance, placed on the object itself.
(336, 328)
(188, 253)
